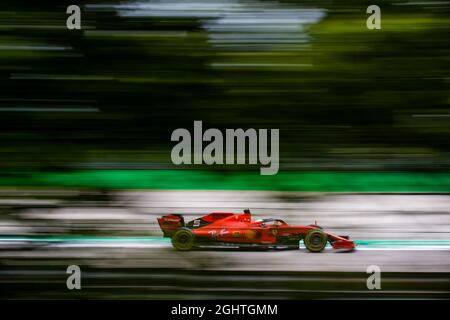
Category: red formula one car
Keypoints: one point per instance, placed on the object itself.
(238, 230)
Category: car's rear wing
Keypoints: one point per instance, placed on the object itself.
(170, 224)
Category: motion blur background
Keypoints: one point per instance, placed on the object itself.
(86, 118)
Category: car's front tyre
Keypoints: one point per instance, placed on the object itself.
(315, 240)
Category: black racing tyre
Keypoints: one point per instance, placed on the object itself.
(315, 240)
(183, 239)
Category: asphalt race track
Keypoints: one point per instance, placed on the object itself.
(130, 259)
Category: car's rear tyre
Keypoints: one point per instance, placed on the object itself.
(183, 239)
(315, 240)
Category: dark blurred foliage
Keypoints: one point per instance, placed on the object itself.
(114, 91)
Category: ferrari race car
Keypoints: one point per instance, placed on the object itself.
(222, 229)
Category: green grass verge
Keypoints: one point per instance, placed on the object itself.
(208, 180)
